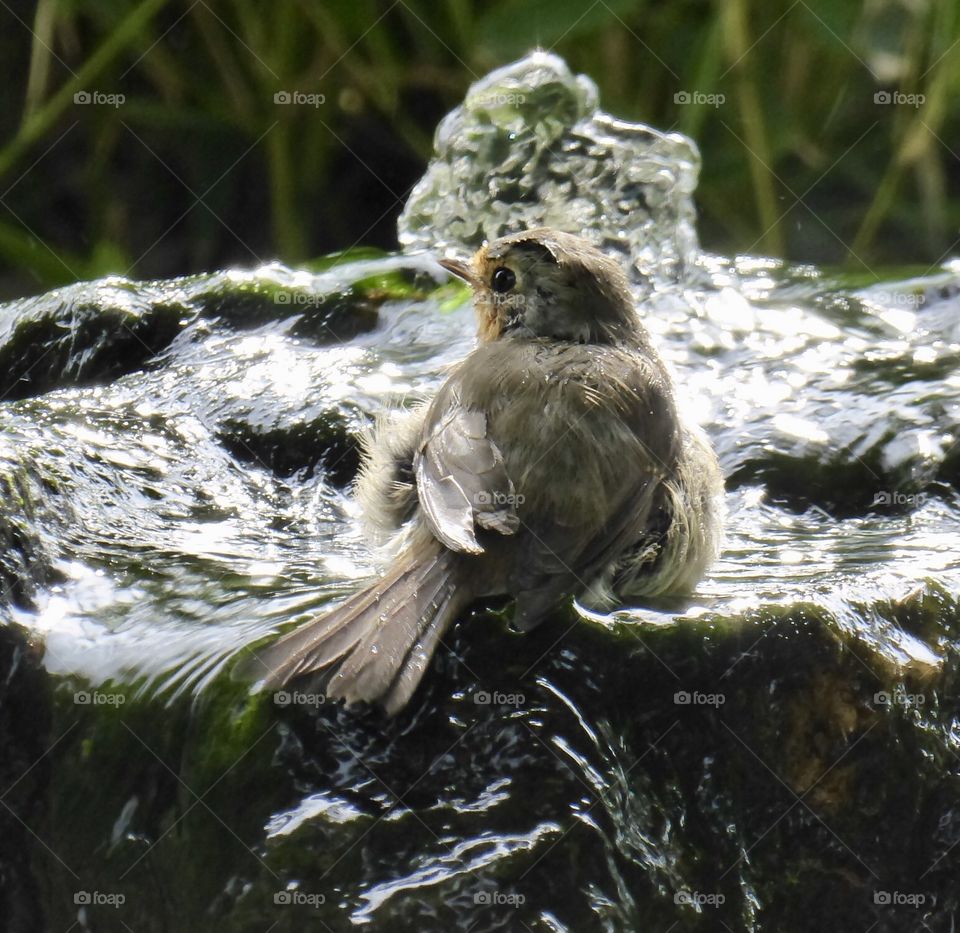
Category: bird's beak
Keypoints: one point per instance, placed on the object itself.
(460, 269)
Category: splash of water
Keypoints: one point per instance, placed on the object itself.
(530, 147)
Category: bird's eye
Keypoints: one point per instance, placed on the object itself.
(503, 279)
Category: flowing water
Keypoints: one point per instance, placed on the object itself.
(780, 753)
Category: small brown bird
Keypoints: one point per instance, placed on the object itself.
(552, 463)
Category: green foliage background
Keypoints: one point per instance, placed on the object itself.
(200, 168)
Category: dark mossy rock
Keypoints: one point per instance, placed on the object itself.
(326, 442)
(94, 332)
(25, 771)
(950, 468)
(248, 303)
(703, 776)
(338, 317)
(83, 334)
(884, 474)
(330, 313)
(841, 486)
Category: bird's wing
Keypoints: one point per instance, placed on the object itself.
(462, 483)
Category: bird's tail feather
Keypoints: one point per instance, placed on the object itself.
(376, 646)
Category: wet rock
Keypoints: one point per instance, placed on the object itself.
(289, 449)
(24, 776)
(98, 331)
(25, 563)
(82, 334)
(249, 302)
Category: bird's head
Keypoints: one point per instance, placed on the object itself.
(549, 284)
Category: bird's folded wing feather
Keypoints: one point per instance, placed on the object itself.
(462, 483)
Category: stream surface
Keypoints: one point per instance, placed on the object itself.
(779, 753)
